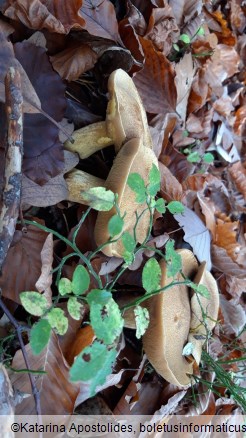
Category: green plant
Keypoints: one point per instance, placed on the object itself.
(184, 44)
(95, 361)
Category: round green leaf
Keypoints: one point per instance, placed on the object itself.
(128, 242)
(175, 207)
(151, 275)
(106, 320)
(74, 308)
(80, 280)
(34, 303)
(194, 157)
(154, 181)
(136, 183)
(208, 158)
(201, 31)
(94, 364)
(142, 320)
(185, 38)
(115, 225)
(160, 205)
(99, 198)
(64, 286)
(176, 47)
(39, 336)
(58, 320)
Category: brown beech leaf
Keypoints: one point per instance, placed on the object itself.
(43, 152)
(58, 16)
(100, 19)
(238, 174)
(24, 257)
(162, 29)
(171, 189)
(6, 401)
(198, 92)
(208, 210)
(155, 82)
(161, 127)
(234, 316)
(235, 286)
(184, 10)
(184, 76)
(176, 162)
(132, 43)
(53, 191)
(226, 236)
(73, 61)
(222, 65)
(57, 393)
(238, 19)
(222, 262)
(83, 338)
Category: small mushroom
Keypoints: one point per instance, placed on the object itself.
(168, 330)
(79, 182)
(132, 157)
(200, 326)
(125, 119)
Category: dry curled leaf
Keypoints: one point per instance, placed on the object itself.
(100, 19)
(162, 29)
(74, 61)
(57, 393)
(24, 257)
(155, 82)
(238, 174)
(43, 152)
(171, 189)
(58, 16)
(184, 10)
(222, 262)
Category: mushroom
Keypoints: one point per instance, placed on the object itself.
(79, 182)
(132, 157)
(199, 326)
(168, 330)
(125, 119)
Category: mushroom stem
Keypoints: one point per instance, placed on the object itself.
(89, 140)
(79, 182)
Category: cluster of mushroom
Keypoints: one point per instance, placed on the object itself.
(177, 317)
(126, 127)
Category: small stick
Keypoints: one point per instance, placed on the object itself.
(10, 204)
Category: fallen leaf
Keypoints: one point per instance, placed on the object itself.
(57, 16)
(100, 19)
(235, 286)
(53, 191)
(223, 263)
(198, 92)
(171, 189)
(226, 236)
(83, 338)
(43, 152)
(238, 175)
(184, 10)
(162, 29)
(24, 253)
(157, 76)
(74, 61)
(208, 210)
(196, 234)
(238, 19)
(57, 393)
(6, 401)
(222, 65)
(184, 76)
(161, 127)
(234, 316)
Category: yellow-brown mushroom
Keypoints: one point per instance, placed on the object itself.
(168, 330)
(204, 311)
(125, 119)
(132, 157)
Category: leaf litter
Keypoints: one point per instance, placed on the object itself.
(191, 82)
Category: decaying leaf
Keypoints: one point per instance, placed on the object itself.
(25, 252)
(196, 234)
(100, 19)
(155, 82)
(184, 10)
(56, 16)
(184, 76)
(43, 152)
(57, 394)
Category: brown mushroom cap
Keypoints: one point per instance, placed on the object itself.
(210, 306)
(125, 119)
(132, 157)
(169, 325)
(126, 116)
